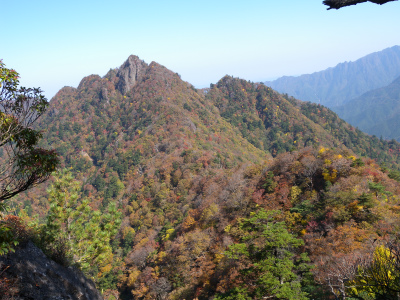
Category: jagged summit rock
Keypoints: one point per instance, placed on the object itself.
(129, 73)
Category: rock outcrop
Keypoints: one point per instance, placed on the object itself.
(129, 73)
(39, 278)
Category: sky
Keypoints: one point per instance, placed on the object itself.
(53, 44)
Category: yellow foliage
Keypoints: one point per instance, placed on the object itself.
(208, 215)
(127, 230)
(188, 223)
(155, 272)
(130, 209)
(106, 268)
(322, 150)
(133, 276)
(383, 255)
(168, 233)
(379, 277)
(294, 219)
(218, 257)
(142, 242)
(253, 171)
(353, 207)
(161, 256)
(330, 176)
(295, 192)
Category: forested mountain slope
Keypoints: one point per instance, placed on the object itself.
(376, 112)
(100, 132)
(278, 124)
(335, 86)
(195, 173)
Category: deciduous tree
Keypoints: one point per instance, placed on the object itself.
(24, 164)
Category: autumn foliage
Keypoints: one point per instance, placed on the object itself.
(216, 188)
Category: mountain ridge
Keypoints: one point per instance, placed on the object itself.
(375, 112)
(337, 85)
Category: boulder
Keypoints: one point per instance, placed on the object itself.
(37, 277)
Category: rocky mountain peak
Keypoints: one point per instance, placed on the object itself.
(129, 73)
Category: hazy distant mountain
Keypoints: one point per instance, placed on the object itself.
(376, 112)
(335, 86)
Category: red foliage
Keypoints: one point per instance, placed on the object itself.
(8, 287)
(17, 227)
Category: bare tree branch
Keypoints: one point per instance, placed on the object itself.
(336, 4)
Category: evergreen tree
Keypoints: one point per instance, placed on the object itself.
(84, 232)
(266, 252)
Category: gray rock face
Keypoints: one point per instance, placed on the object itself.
(39, 278)
(129, 73)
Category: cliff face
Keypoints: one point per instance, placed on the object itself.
(34, 276)
(129, 73)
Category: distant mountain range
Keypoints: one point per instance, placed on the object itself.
(376, 112)
(336, 86)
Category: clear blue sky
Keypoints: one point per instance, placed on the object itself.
(56, 43)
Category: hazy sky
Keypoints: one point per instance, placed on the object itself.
(56, 43)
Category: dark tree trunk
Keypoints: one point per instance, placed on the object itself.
(336, 4)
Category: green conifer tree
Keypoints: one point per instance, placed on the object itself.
(84, 232)
(266, 252)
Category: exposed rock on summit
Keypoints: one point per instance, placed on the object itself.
(129, 73)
